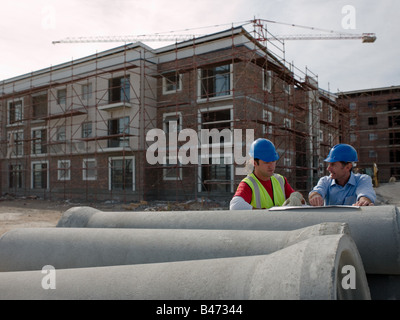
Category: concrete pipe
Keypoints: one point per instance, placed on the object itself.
(31, 249)
(384, 286)
(315, 268)
(375, 229)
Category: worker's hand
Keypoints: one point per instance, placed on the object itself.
(295, 199)
(316, 200)
(363, 201)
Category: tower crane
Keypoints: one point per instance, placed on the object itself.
(257, 23)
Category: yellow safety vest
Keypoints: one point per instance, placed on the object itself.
(260, 197)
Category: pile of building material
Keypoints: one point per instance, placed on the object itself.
(287, 253)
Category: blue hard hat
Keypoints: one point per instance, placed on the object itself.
(263, 149)
(342, 152)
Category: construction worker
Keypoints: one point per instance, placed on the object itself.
(342, 186)
(262, 188)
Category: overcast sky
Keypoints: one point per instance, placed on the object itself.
(28, 28)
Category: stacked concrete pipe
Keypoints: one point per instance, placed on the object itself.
(296, 253)
(375, 231)
(309, 269)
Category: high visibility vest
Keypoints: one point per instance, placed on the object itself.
(260, 197)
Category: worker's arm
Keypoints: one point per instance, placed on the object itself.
(242, 198)
(363, 201)
(238, 203)
(315, 199)
(366, 195)
(318, 193)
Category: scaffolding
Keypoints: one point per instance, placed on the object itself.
(83, 129)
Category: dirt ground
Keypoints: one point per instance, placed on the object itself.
(21, 213)
(36, 213)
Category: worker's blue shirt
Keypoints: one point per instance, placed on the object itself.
(359, 185)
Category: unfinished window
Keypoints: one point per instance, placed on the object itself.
(39, 175)
(330, 139)
(86, 92)
(372, 136)
(320, 105)
(287, 163)
(217, 177)
(219, 120)
(352, 106)
(172, 169)
(61, 135)
(119, 89)
(216, 169)
(87, 130)
(287, 87)
(394, 137)
(89, 169)
(215, 81)
(15, 144)
(372, 121)
(394, 104)
(372, 154)
(39, 106)
(64, 170)
(330, 113)
(118, 130)
(321, 170)
(172, 123)
(267, 117)
(121, 171)
(394, 156)
(62, 97)
(15, 176)
(372, 104)
(394, 121)
(39, 141)
(267, 80)
(15, 110)
(172, 82)
(287, 123)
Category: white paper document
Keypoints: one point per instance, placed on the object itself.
(284, 208)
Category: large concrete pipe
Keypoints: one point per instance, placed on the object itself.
(375, 229)
(31, 249)
(315, 268)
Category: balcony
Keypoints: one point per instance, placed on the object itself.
(115, 106)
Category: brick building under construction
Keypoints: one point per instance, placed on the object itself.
(375, 129)
(80, 130)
